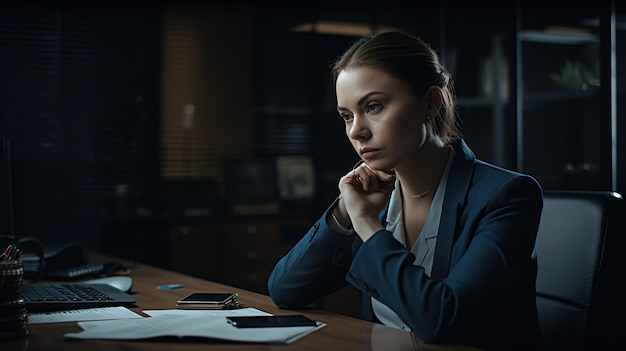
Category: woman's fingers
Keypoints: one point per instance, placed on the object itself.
(367, 179)
(370, 179)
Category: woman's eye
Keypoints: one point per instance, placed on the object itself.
(373, 107)
(346, 117)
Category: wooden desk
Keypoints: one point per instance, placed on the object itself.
(341, 332)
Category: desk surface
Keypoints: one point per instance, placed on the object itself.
(341, 332)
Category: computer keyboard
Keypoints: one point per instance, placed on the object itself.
(40, 297)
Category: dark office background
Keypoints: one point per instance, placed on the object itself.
(122, 115)
(79, 104)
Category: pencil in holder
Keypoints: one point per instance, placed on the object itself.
(13, 313)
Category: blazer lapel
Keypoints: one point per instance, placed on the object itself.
(456, 190)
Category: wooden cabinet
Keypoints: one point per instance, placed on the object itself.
(252, 248)
(236, 250)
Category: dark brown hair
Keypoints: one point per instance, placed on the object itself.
(411, 59)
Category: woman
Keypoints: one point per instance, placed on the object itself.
(437, 241)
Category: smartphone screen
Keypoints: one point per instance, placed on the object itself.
(270, 321)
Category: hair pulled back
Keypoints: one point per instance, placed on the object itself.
(411, 59)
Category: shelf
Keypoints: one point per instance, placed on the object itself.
(557, 96)
(563, 38)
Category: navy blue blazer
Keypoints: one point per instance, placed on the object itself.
(481, 291)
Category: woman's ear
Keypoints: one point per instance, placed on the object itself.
(434, 99)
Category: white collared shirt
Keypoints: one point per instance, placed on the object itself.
(424, 247)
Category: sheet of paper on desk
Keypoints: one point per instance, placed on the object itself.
(184, 323)
(247, 311)
(87, 314)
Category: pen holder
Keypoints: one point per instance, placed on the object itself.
(13, 314)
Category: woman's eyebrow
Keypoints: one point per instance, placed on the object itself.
(361, 100)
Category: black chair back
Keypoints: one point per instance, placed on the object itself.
(580, 253)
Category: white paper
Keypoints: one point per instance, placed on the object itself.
(190, 323)
(87, 314)
(247, 311)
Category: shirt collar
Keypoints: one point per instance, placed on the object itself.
(394, 213)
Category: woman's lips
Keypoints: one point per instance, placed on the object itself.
(368, 152)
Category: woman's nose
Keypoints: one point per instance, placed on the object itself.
(358, 129)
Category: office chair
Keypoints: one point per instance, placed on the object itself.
(580, 253)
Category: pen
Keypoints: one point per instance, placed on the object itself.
(10, 254)
(5, 254)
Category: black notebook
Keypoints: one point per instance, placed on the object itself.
(43, 297)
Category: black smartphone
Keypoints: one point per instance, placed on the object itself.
(297, 320)
(208, 301)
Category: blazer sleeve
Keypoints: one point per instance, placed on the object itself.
(485, 273)
(314, 267)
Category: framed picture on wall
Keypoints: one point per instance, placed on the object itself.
(296, 178)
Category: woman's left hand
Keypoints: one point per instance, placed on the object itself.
(365, 192)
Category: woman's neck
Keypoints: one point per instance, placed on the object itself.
(420, 176)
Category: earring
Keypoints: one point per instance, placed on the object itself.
(429, 107)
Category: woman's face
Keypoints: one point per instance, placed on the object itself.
(384, 120)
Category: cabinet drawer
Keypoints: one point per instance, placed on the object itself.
(252, 233)
(252, 248)
(271, 237)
